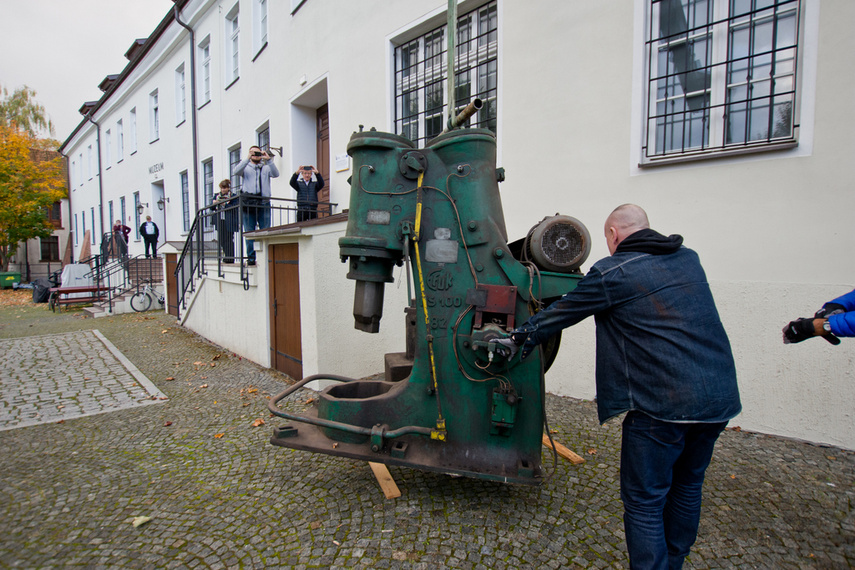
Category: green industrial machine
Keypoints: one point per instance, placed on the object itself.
(455, 405)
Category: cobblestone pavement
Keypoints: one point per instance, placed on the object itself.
(64, 376)
(218, 495)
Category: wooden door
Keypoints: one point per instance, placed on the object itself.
(323, 154)
(286, 351)
(171, 284)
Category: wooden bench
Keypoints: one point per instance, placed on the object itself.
(63, 295)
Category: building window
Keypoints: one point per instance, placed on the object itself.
(208, 183)
(89, 162)
(721, 76)
(122, 209)
(120, 141)
(73, 175)
(50, 248)
(205, 71)
(133, 130)
(185, 200)
(137, 220)
(263, 138)
(421, 76)
(234, 159)
(110, 210)
(83, 219)
(92, 218)
(154, 116)
(54, 214)
(232, 46)
(108, 142)
(180, 96)
(259, 13)
(76, 231)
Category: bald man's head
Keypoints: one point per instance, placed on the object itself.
(624, 221)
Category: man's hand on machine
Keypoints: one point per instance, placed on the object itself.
(509, 346)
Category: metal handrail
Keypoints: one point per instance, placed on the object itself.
(205, 242)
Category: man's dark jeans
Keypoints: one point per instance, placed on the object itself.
(662, 468)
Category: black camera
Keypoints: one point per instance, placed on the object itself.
(256, 153)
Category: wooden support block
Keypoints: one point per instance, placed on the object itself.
(563, 451)
(384, 478)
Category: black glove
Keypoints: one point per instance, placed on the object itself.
(829, 309)
(803, 329)
(798, 330)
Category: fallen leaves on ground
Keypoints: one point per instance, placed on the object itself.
(219, 435)
(258, 422)
(139, 521)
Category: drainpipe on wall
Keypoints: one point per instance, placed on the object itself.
(192, 103)
(72, 229)
(100, 181)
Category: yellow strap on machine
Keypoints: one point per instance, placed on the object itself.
(439, 433)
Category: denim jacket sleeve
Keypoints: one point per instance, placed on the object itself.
(588, 298)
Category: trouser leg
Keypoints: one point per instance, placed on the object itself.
(682, 513)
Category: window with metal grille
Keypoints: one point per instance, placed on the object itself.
(721, 76)
(421, 74)
(185, 200)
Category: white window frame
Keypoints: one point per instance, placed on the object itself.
(133, 133)
(663, 132)
(184, 184)
(108, 143)
(233, 157)
(180, 95)
(89, 169)
(259, 25)
(120, 141)
(154, 115)
(205, 70)
(232, 45)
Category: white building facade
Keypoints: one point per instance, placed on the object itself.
(726, 120)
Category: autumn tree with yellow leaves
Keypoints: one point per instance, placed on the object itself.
(29, 184)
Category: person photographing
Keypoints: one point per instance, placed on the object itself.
(256, 170)
(307, 181)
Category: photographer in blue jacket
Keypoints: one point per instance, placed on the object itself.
(835, 318)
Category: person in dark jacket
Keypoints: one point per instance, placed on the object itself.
(227, 219)
(307, 191)
(664, 358)
(835, 318)
(150, 233)
(120, 238)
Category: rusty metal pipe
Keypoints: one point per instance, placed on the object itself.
(470, 109)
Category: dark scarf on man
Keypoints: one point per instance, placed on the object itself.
(650, 241)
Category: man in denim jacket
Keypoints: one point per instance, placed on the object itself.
(662, 356)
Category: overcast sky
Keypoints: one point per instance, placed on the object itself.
(64, 48)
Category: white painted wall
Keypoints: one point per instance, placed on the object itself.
(772, 229)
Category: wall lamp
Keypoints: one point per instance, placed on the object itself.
(277, 149)
(161, 203)
(141, 208)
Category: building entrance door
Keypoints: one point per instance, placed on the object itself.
(286, 350)
(323, 154)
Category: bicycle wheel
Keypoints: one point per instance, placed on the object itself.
(141, 301)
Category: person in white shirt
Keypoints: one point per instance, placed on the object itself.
(149, 233)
